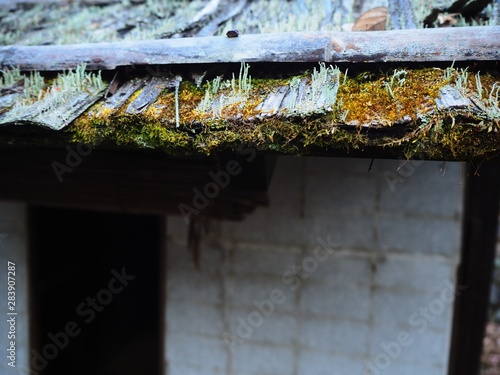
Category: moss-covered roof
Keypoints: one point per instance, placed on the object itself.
(438, 111)
(41, 22)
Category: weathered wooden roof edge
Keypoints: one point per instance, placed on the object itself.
(434, 113)
(480, 43)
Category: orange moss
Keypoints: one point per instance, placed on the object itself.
(364, 99)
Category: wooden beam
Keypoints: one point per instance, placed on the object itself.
(481, 43)
(135, 181)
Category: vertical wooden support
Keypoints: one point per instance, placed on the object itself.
(162, 295)
(479, 234)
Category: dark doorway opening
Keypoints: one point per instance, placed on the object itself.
(95, 292)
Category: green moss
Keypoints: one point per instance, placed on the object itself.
(365, 99)
(454, 136)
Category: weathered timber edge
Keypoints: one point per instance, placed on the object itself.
(480, 43)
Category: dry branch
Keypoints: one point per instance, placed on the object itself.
(422, 45)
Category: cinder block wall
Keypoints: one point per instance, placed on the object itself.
(348, 272)
(14, 329)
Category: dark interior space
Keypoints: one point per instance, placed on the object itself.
(95, 288)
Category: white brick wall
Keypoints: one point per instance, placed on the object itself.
(343, 312)
(13, 248)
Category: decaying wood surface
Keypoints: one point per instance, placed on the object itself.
(451, 98)
(124, 93)
(418, 45)
(55, 117)
(149, 94)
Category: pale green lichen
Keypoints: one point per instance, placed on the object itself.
(33, 87)
(288, 16)
(493, 108)
(321, 94)
(168, 17)
(449, 72)
(461, 80)
(489, 103)
(10, 77)
(73, 22)
(13, 29)
(399, 76)
(244, 81)
(80, 80)
(63, 24)
(36, 100)
(421, 9)
(479, 86)
(220, 94)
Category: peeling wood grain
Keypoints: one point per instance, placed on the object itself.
(56, 117)
(272, 103)
(300, 97)
(7, 101)
(451, 98)
(123, 94)
(149, 94)
(481, 43)
(295, 95)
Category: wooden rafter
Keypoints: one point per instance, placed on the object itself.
(422, 45)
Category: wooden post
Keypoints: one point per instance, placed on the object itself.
(479, 235)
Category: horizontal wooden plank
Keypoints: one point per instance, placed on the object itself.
(128, 181)
(481, 43)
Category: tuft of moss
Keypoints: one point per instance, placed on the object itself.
(388, 98)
